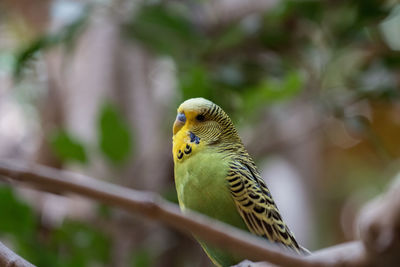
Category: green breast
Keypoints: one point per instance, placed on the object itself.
(201, 186)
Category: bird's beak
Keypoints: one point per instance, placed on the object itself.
(179, 122)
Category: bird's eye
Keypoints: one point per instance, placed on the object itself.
(200, 117)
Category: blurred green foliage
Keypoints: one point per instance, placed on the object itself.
(115, 138)
(72, 244)
(68, 148)
(166, 30)
(80, 244)
(273, 91)
(232, 58)
(142, 258)
(65, 37)
(17, 217)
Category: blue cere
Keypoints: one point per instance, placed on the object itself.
(181, 117)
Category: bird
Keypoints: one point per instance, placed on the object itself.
(215, 175)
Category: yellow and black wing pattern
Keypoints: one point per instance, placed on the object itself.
(255, 204)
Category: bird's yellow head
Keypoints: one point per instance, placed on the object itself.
(201, 122)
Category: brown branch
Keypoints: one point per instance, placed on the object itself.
(346, 254)
(9, 259)
(379, 224)
(351, 254)
(152, 206)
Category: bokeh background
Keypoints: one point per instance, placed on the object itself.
(93, 86)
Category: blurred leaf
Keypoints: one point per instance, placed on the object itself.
(166, 30)
(310, 9)
(115, 135)
(38, 252)
(68, 148)
(65, 36)
(281, 90)
(142, 258)
(80, 244)
(74, 244)
(104, 211)
(272, 91)
(392, 60)
(370, 11)
(229, 38)
(16, 217)
(196, 82)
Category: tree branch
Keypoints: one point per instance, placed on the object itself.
(379, 225)
(346, 254)
(9, 259)
(154, 207)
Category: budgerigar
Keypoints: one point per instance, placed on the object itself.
(215, 175)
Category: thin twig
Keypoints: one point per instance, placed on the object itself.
(9, 259)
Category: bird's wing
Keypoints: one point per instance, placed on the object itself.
(255, 204)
